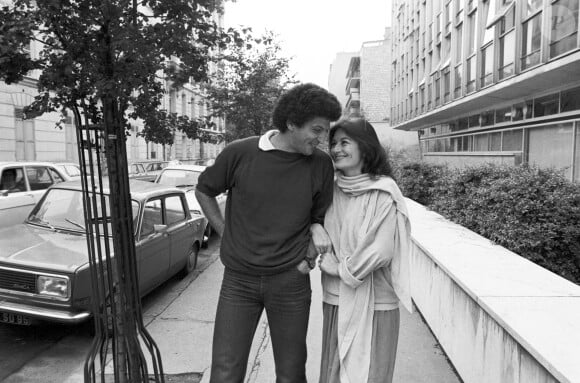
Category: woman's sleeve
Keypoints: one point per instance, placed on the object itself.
(375, 250)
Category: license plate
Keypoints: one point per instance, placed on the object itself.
(15, 319)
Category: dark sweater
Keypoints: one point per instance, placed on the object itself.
(273, 198)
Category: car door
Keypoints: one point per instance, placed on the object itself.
(179, 229)
(16, 201)
(154, 246)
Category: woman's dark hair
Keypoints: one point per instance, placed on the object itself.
(375, 161)
(304, 102)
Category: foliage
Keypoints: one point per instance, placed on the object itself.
(251, 83)
(115, 57)
(417, 180)
(530, 211)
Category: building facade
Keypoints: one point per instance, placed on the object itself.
(367, 91)
(40, 139)
(489, 80)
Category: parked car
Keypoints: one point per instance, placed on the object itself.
(22, 184)
(137, 172)
(185, 177)
(45, 274)
(70, 169)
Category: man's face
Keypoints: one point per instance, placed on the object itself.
(307, 137)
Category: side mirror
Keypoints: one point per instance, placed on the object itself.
(3, 193)
(160, 228)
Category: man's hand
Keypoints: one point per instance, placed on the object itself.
(320, 238)
(303, 267)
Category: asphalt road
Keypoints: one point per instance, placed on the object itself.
(20, 345)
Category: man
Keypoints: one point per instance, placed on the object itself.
(279, 187)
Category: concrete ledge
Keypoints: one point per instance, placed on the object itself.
(498, 316)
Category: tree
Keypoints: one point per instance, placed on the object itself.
(249, 85)
(108, 62)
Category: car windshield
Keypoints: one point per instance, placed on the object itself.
(63, 209)
(178, 177)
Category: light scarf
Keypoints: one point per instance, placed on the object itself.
(356, 305)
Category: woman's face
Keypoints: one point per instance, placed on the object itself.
(346, 154)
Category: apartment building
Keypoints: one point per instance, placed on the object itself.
(40, 139)
(489, 80)
(366, 89)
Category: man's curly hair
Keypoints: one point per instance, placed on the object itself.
(304, 102)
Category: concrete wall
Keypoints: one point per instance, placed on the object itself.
(459, 159)
(498, 317)
(396, 139)
(375, 87)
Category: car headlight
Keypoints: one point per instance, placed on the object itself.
(53, 286)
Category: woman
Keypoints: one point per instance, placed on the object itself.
(367, 274)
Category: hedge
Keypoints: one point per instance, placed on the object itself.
(530, 211)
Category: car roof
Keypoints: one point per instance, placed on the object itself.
(25, 163)
(140, 190)
(196, 168)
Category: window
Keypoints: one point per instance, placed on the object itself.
(470, 81)
(512, 140)
(448, 18)
(458, 11)
(487, 118)
(38, 177)
(531, 41)
(503, 115)
(446, 84)
(507, 45)
(437, 32)
(152, 215)
(547, 105)
(55, 176)
(458, 44)
(480, 143)
(174, 210)
(437, 81)
(571, 101)
(12, 180)
(564, 29)
(495, 142)
(551, 146)
(473, 121)
(487, 65)
(457, 90)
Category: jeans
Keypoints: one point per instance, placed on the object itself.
(286, 298)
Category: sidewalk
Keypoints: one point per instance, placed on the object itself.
(184, 330)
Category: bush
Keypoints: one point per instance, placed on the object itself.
(530, 211)
(417, 180)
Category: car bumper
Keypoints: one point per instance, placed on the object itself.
(44, 313)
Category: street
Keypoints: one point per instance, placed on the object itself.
(26, 352)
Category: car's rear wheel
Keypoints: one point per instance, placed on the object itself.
(191, 262)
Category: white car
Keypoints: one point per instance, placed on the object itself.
(70, 169)
(185, 177)
(22, 184)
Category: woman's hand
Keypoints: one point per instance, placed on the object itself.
(328, 264)
(320, 238)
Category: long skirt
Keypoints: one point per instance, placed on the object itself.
(383, 347)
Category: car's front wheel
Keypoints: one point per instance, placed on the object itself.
(191, 262)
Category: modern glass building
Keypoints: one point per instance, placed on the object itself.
(489, 80)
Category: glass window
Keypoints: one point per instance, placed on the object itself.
(530, 6)
(480, 142)
(458, 10)
(512, 140)
(564, 26)
(472, 33)
(570, 100)
(488, 15)
(437, 88)
(467, 141)
(12, 180)
(519, 110)
(487, 118)
(174, 210)
(470, 80)
(495, 142)
(55, 176)
(547, 105)
(446, 84)
(38, 177)
(551, 146)
(152, 215)
(458, 44)
(487, 65)
(503, 115)
(458, 84)
(448, 18)
(474, 120)
(507, 46)
(531, 41)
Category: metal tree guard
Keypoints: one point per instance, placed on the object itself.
(119, 329)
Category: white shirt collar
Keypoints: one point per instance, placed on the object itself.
(265, 144)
